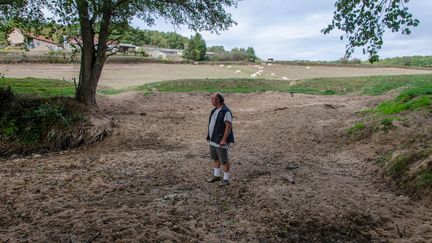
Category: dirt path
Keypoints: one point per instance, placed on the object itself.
(146, 183)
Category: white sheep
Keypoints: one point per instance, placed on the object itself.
(229, 66)
(292, 83)
(260, 71)
(269, 64)
(285, 78)
(307, 67)
(221, 66)
(253, 75)
(273, 75)
(237, 71)
(260, 68)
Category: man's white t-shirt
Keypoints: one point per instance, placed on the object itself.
(228, 117)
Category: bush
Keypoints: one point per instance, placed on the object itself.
(40, 122)
(7, 96)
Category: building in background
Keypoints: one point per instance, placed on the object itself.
(33, 43)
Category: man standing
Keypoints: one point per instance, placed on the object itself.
(219, 136)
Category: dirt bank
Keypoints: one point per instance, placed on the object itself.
(295, 178)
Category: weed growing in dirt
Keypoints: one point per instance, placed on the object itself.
(425, 179)
(399, 166)
(386, 124)
(225, 206)
(356, 128)
(383, 159)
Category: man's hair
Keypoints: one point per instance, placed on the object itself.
(220, 98)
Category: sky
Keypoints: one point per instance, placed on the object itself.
(291, 30)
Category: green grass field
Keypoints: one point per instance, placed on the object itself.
(415, 90)
(39, 87)
(373, 85)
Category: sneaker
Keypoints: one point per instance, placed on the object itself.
(225, 183)
(213, 179)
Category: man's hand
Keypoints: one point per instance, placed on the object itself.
(223, 142)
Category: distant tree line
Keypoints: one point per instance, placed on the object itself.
(196, 48)
(156, 38)
(236, 54)
(409, 61)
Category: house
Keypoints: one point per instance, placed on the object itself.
(126, 48)
(16, 39)
(163, 53)
(34, 43)
(41, 44)
(71, 42)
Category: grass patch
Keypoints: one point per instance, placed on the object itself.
(356, 128)
(387, 122)
(110, 91)
(425, 179)
(400, 166)
(39, 87)
(412, 98)
(373, 85)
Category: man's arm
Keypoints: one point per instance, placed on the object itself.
(226, 133)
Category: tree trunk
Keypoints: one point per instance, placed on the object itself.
(86, 90)
(90, 72)
(92, 61)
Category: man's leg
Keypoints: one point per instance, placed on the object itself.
(226, 168)
(215, 165)
(216, 168)
(226, 165)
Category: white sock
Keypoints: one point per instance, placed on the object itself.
(216, 171)
(226, 175)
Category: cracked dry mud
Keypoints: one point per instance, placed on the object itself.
(295, 178)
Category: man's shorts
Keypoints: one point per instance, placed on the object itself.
(220, 154)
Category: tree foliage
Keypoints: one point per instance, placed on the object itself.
(196, 48)
(409, 61)
(365, 21)
(139, 37)
(103, 22)
(236, 54)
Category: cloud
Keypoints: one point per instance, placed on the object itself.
(289, 30)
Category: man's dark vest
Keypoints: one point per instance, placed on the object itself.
(219, 128)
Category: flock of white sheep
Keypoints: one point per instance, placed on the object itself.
(260, 71)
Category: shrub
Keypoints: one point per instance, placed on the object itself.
(7, 96)
(34, 121)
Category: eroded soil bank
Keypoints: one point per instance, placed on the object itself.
(296, 177)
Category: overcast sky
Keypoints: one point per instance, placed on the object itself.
(290, 30)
